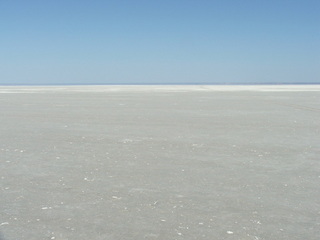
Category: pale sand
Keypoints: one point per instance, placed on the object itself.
(160, 162)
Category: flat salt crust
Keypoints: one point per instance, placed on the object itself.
(158, 88)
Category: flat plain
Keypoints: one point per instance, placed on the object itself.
(160, 162)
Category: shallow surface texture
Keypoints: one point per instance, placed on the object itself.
(154, 163)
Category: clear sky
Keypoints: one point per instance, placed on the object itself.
(167, 41)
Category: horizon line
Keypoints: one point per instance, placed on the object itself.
(164, 84)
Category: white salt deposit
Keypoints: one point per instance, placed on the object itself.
(157, 88)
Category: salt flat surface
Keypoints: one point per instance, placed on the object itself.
(160, 162)
(157, 88)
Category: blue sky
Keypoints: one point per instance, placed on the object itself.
(167, 41)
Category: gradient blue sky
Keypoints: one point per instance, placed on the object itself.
(167, 41)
